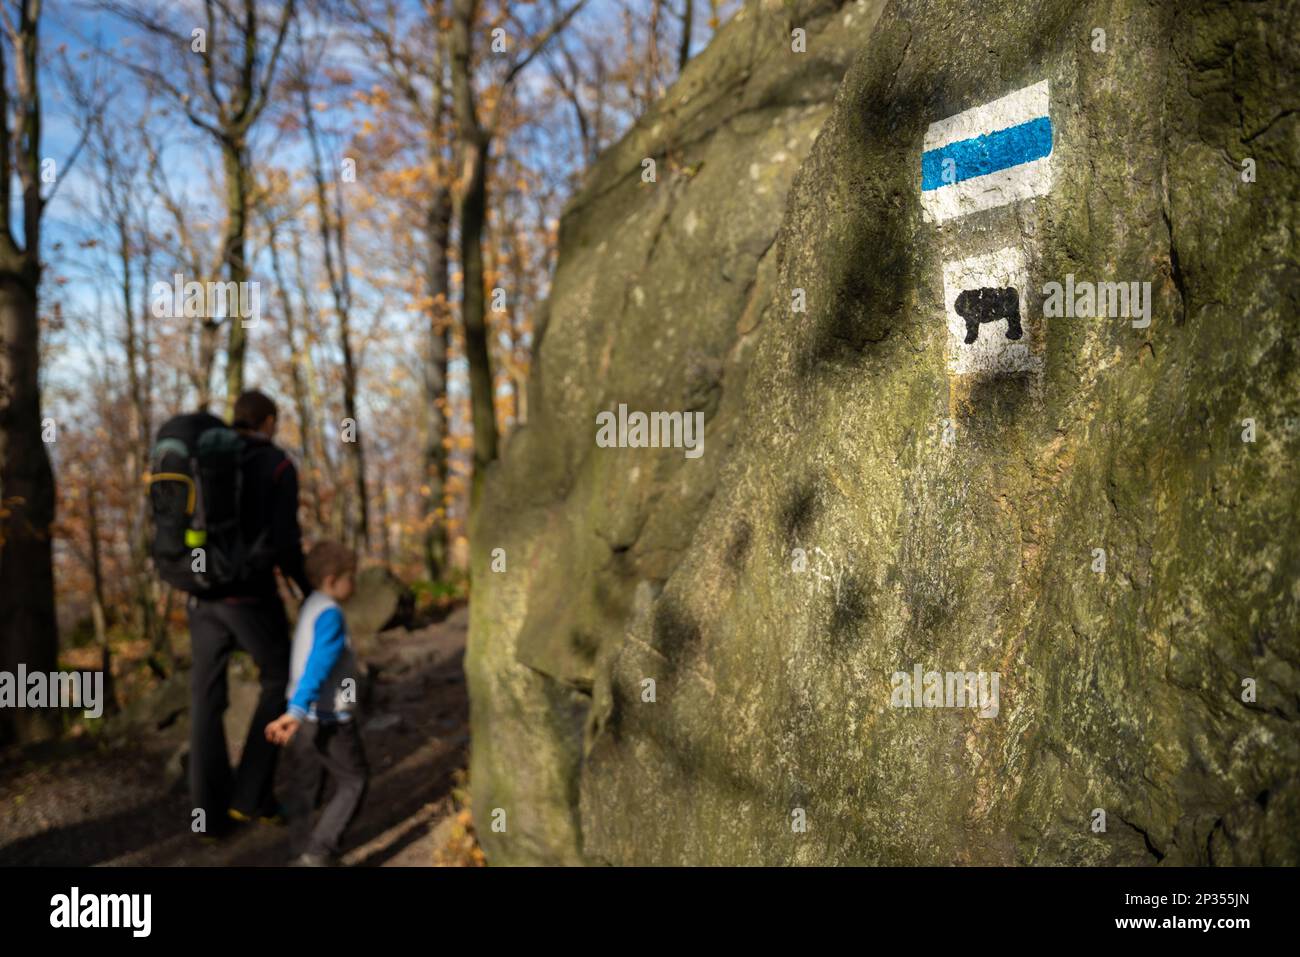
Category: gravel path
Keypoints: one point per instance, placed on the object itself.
(118, 807)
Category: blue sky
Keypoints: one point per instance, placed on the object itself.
(81, 277)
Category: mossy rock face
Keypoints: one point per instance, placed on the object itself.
(862, 510)
(658, 295)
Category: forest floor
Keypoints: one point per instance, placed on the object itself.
(126, 804)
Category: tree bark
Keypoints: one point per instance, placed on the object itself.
(523, 293)
(334, 239)
(311, 329)
(29, 634)
(471, 212)
(141, 577)
(475, 146)
(28, 626)
(438, 285)
(385, 539)
(239, 186)
(688, 20)
(297, 349)
(97, 601)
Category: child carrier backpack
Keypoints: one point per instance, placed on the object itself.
(195, 481)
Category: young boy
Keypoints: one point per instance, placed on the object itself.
(319, 726)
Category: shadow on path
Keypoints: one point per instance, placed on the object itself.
(113, 807)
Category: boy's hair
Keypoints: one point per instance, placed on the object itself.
(252, 409)
(329, 560)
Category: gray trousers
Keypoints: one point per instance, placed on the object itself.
(321, 748)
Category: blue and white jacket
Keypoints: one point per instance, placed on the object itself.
(322, 669)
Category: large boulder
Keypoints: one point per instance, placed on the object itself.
(380, 601)
(657, 297)
(710, 660)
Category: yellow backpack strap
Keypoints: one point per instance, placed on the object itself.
(151, 477)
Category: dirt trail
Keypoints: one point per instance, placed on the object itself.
(117, 807)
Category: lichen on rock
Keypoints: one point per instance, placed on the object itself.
(862, 509)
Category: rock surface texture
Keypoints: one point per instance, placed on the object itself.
(698, 660)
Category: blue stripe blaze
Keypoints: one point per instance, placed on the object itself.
(989, 153)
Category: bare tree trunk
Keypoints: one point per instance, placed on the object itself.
(474, 318)
(471, 213)
(652, 59)
(311, 324)
(688, 20)
(224, 98)
(421, 79)
(475, 146)
(435, 384)
(138, 446)
(523, 293)
(385, 539)
(343, 304)
(306, 420)
(160, 647)
(28, 626)
(207, 359)
(334, 237)
(29, 635)
(97, 602)
(235, 164)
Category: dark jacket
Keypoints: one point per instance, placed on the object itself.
(269, 502)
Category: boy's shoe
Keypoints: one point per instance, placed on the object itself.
(313, 860)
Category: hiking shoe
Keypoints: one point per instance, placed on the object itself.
(313, 860)
(273, 818)
(215, 835)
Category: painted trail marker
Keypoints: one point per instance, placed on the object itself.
(985, 300)
(988, 156)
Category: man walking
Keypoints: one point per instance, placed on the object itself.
(249, 616)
